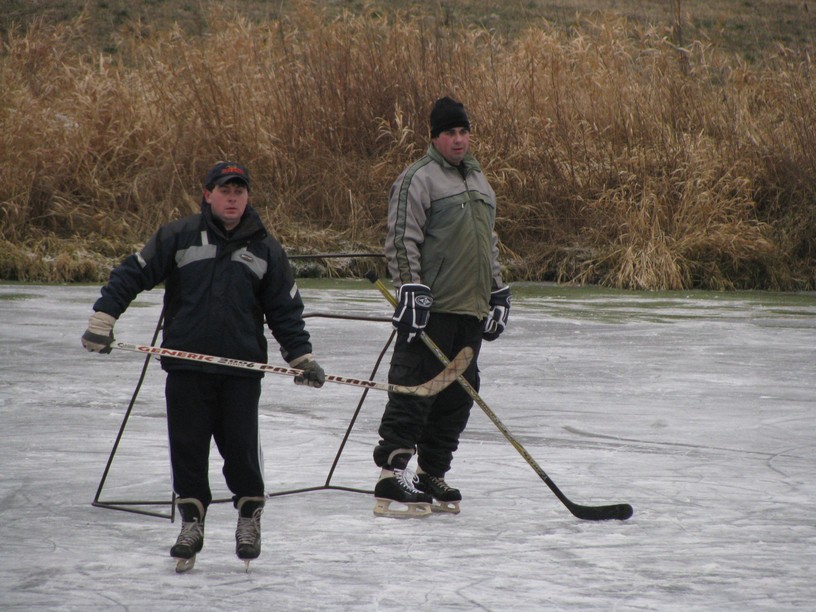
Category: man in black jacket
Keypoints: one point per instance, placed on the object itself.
(224, 274)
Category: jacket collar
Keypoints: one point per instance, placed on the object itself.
(250, 225)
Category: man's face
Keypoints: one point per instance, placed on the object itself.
(453, 144)
(228, 202)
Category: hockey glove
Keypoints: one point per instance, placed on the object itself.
(413, 309)
(99, 335)
(312, 375)
(496, 319)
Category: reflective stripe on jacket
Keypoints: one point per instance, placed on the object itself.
(219, 288)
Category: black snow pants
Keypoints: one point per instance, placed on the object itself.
(432, 425)
(205, 406)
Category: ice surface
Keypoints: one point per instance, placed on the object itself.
(699, 409)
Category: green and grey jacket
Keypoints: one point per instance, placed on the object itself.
(440, 233)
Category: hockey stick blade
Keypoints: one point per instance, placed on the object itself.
(620, 512)
(429, 388)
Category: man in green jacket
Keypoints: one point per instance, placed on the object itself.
(442, 255)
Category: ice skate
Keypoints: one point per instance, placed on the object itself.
(191, 539)
(445, 497)
(396, 495)
(248, 532)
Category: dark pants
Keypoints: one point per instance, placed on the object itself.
(201, 407)
(430, 425)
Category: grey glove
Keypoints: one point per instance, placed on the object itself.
(312, 375)
(99, 335)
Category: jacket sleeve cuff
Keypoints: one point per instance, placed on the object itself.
(302, 360)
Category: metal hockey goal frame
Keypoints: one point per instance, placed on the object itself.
(138, 506)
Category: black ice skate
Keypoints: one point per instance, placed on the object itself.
(446, 498)
(248, 532)
(191, 539)
(396, 485)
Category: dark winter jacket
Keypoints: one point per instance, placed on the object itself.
(219, 286)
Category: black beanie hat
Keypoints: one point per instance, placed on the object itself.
(447, 113)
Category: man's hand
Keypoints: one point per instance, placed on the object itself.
(99, 335)
(496, 319)
(413, 309)
(312, 375)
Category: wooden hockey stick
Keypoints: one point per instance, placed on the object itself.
(588, 513)
(447, 376)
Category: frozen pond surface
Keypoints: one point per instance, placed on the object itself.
(699, 409)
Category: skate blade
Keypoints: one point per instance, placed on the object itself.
(415, 510)
(247, 561)
(450, 507)
(184, 565)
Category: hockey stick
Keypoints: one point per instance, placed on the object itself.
(587, 513)
(447, 376)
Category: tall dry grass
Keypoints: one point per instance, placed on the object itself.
(618, 158)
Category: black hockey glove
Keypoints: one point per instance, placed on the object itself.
(312, 375)
(496, 319)
(99, 335)
(413, 309)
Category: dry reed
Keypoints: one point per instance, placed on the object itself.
(618, 159)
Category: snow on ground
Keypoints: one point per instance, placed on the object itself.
(696, 408)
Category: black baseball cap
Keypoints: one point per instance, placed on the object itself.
(225, 171)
